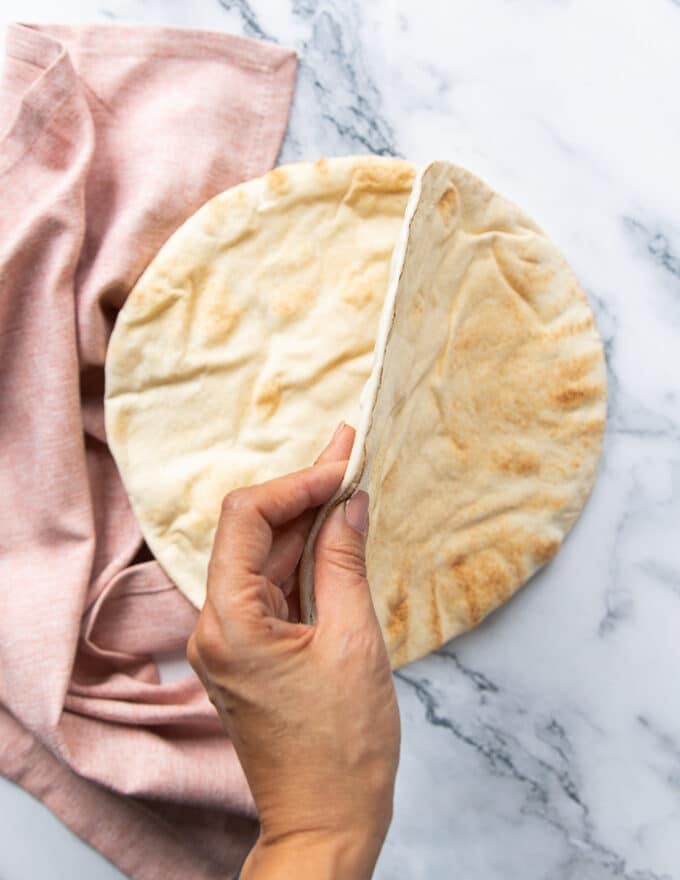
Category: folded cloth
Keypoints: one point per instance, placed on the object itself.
(113, 135)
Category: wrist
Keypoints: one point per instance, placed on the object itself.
(315, 855)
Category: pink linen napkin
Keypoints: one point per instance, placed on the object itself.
(111, 137)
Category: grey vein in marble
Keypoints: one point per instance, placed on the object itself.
(550, 786)
(666, 744)
(333, 83)
(657, 245)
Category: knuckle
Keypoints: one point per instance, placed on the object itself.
(348, 558)
(207, 646)
(365, 642)
(360, 637)
(235, 501)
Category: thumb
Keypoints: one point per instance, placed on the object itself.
(340, 584)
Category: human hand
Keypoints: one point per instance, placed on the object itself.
(311, 710)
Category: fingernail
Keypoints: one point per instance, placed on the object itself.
(337, 431)
(356, 511)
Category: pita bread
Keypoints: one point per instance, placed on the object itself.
(245, 342)
(482, 421)
(252, 334)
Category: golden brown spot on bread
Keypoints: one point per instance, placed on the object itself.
(278, 182)
(149, 301)
(159, 518)
(576, 291)
(269, 396)
(488, 575)
(359, 296)
(397, 620)
(214, 214)
(228, 220)
(417, 305)
(193, 275)
(544, 502)
(579, 367)
(321, 165)
(587, 431)
(574, 395)
(457, 438)
(447, 206)
(120, 428)
(293, 303)
(467, 578)
(223, 318)
(484, 581)
(516, 461)
(397, 177)
(573, 329)
(543, 549)
(435, 618)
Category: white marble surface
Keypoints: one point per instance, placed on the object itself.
(546, 744)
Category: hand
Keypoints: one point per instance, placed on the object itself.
(311, 710)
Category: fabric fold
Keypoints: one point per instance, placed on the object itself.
(111, 136)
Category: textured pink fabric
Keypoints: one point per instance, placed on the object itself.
(113, 135)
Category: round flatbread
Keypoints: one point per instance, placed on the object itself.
(245, 342)
(252, 333)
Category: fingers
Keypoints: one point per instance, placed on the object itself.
(340, 445)
(244, 533)
(288, 543)
(340, 584)
(280, 500)
(287, 547)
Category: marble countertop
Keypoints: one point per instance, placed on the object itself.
(545, 745)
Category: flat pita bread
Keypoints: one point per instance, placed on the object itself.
(482, 421)
(245, 342)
